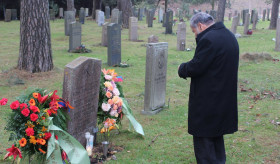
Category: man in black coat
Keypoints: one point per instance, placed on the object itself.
(213, 91)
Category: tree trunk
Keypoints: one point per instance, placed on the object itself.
(221, 11)
(274, 14)
(126, 7)
(93, 9)
(70, 5)
(35, 53)
(212, 4)
(166, 5)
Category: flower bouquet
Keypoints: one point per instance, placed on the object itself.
(34, 123)
(81, 49)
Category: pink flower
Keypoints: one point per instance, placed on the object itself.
(116, 92)
(114, 113)
(108, 77)
(106, 107)
(14, 105)
(23, 106)
(3, 101)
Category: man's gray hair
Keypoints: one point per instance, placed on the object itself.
(201, 17)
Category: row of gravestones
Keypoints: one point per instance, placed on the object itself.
(10, 14)
(82, 81)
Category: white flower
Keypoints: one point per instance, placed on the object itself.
(108, 77)
(116, 92)
(113, 112)
(106, 107)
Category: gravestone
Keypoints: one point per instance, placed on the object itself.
(264, 14)
(75, 38)
(244, 12)
(96, 15)
(169, 22)
(164, 20)
(235, 12)
(246, 24)
(140, 14)
(82, 16)
(255, 21)
(180, 14)
(213, 13)
(14, 14)
(133, 29)
(268, 14)
(114, 44)
(150, 18)
(81, 88)
(115, 16)
(234, 24)
(52, 14)
(69, 17)
(277, 43)
(153, 39)
(104, 34)
(238, 15)
(252, 15)
(60, 13)
(8, 15)
(181, 36)
(107, 12)
(120, 19)
(160, 15)
(229, 16)
(155, 81)
(101, 18)
(86, 12)
(135, 11)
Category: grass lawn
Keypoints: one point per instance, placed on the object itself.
(257, 141)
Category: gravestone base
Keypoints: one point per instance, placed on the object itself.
(152, 112)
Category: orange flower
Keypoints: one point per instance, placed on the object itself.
(110, 101)
(42, 151)
(32, 102)
(103, 130)
(35, 95)
(44, 129)
(112, 127)
(22, 142)
(33, 140)
(41, 141)
(109, 94)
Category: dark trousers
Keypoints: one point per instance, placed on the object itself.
(209, 150)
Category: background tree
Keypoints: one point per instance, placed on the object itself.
(126, 7)
(35, 54)
(274, 14)
(221, 11)
(70, 5)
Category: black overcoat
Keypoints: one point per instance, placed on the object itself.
(213, 91)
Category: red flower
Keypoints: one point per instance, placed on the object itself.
(34, 109)
(54, 97)
(47, 135)
(29, 132)
(3, 101)
(23, 105)
(33, 117)
(25, 112)
(13, 151)
(56, 137)
(63, 155)
(49, 112)
(15, 105)
(54, 105)
(42, 99)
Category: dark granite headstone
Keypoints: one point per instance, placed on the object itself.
(252, 15)
(140, 14)
(150, 18)
(213, 13)
(107, 12)
(164, 20)
(268, 14)
(244, 12)
(114, 44)
(155, 81)
(264, 14)
(75, 38)
(14, 14)
(82, 16)
(81, 89)
(169, 22)
(8, 15)
(104, 34)
(69, 17)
